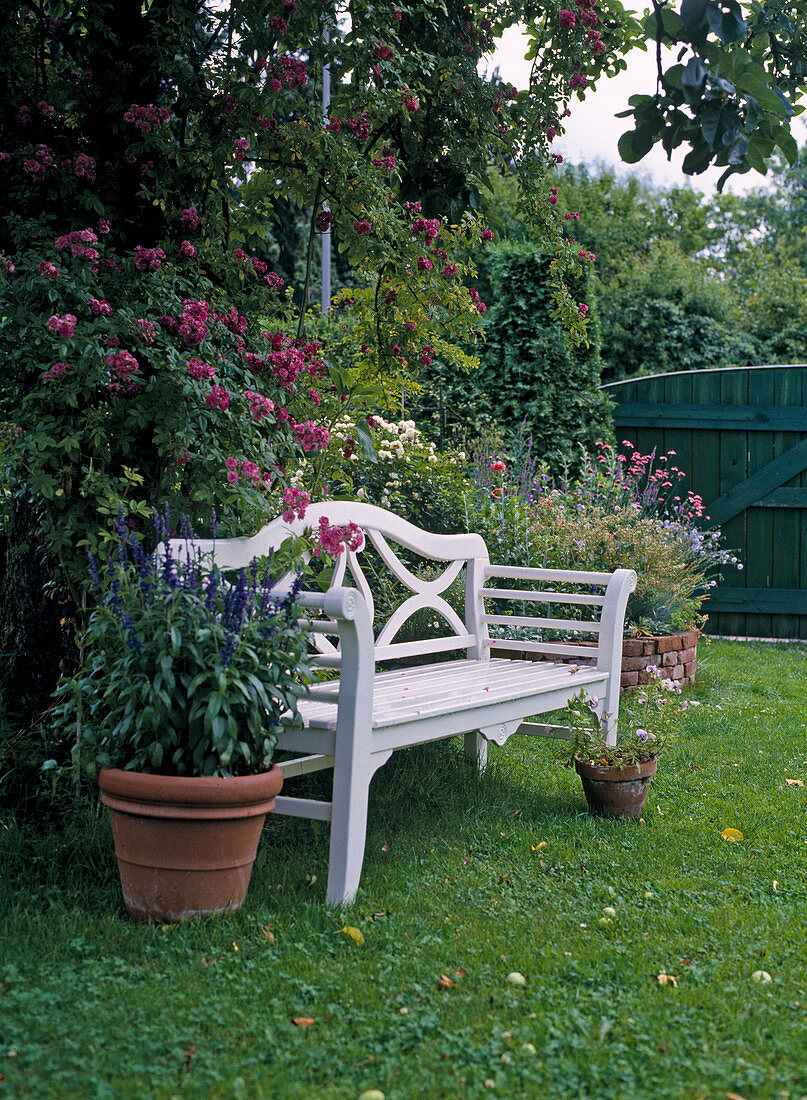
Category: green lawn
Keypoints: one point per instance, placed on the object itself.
(457, 883)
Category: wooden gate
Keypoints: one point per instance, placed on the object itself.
(740, 434)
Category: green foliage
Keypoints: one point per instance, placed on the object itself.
(681, 281)
(412, 478)
(619, 513)
(184, 674)
(99, 427)
(732, 91)
(145, 157)
(663, 311)
(650, 718)
(773, 305)
(529, 373)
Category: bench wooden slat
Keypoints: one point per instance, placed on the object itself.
(528, 573)
(561, 649)
(577, 625)
(429, 645)
(541, 597)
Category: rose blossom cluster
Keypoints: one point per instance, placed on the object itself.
(99, 307)
(143, 330)
(288, 359)
(311, 436)
(144, 117)
(198, 369)
(259, 406)
(57, 371)
(409, 101)
(77, 241)
(218, 398)
(63, 326)
(286, 70)
(84, 166)
(296, 501)
(333, 540)
(232, 320)
(38, 164)
(148, 259)
(248, 470)
(189, 219)
(359, 127)
(193, 323)
(429, 227)
(123, 364)
(474, 296)
(386, 161)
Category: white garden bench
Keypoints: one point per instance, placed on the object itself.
(354, 723)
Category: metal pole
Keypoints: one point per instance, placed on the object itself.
(326, 236)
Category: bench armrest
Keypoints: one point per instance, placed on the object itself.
(340, 603)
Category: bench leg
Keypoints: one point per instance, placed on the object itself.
(351, 790)
(476, 749)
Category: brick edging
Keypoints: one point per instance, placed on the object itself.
(676, 655)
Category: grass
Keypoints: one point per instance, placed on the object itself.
(456, 885)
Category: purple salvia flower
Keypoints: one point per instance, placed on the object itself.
(93, 571)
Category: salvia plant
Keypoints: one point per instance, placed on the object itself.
(187, 671)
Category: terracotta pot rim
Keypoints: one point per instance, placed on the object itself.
(240, 792)
(641, 769)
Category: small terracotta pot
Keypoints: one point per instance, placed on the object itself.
(186, 845)
(616, 792)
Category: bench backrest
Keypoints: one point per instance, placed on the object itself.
(456, 552)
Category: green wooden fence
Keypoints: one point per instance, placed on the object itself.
(740, 434)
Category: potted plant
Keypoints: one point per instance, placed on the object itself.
(616, 778)
(176, 711)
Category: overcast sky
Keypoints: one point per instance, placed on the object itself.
(592, 132)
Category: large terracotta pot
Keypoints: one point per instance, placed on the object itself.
(185, 845)
(616, 792)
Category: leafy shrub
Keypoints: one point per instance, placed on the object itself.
(664, 311)
(529, 369)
